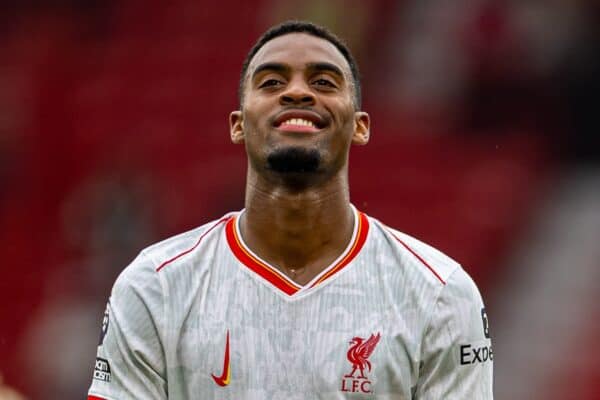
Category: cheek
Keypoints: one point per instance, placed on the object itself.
(254, 115)
(345, 112)
(347, 124)
(251, 124)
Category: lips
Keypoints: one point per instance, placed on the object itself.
(299, 120)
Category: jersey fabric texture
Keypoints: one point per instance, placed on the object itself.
(200, 316)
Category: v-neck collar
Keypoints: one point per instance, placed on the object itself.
(278, 279)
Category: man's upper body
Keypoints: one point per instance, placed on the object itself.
(201, 316)
(299, 295)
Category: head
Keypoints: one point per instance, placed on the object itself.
(300, 101)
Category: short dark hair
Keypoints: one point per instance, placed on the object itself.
(311, 29)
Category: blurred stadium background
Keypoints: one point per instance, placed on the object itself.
(485, 143)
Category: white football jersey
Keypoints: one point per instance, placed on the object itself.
(200, 316)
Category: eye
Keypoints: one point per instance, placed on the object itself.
(270, 83)
(324, 82)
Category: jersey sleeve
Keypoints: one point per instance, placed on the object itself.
(130, 361)
(457, 357)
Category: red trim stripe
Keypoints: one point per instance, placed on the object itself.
(262, 269)
(90, 397)
(418, 258)
(273, 275)
(164, 264)
(361, 237)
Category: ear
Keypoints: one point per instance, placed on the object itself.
(236, 127)
(362, 123)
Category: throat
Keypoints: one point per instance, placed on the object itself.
(298, 275)
(298, 246)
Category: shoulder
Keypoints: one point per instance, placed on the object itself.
(452, 301)
(145, 268)
(418, 257)
(461, 307)
(435, 266)
(443, 291)
(460, 288)
(170, 250)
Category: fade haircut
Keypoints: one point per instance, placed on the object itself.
(311, 29)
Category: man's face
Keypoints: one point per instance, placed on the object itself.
(298, 114)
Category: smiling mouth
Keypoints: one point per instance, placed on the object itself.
(298, 125)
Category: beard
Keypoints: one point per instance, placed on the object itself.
(290, 160)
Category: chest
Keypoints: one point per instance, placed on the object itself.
(241, 340)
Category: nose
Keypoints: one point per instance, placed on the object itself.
(297, 92)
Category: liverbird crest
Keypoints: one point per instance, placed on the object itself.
(359, 353)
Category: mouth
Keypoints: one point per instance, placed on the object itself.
(299, 121)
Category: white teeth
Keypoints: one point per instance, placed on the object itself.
(298, 121)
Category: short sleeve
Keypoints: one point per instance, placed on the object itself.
(130, 361)
(457, 356)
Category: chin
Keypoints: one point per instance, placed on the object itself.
(294, 160)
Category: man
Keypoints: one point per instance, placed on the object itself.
(300, 295)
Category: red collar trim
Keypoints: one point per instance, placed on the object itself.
(278, 279)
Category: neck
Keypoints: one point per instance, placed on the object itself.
(300, 232)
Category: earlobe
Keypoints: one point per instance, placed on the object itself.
(362, 124)
(236, 127)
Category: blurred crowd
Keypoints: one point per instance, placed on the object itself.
(113, 135)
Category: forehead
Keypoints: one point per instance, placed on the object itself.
(297, 50)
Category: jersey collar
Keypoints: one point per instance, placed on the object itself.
(279, 280)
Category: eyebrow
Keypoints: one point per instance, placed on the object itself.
(316, 66)
(270, 66)
(326, 67)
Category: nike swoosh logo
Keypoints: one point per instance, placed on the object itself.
(223, 380)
